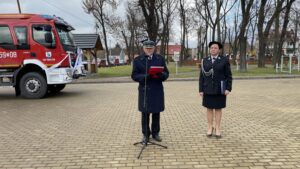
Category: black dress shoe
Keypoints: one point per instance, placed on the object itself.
(145, 140)
(157, 138)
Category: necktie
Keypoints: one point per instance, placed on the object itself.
(213, 60)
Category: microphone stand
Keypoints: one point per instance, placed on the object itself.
(146, 142)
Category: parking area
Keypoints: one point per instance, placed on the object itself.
(95, 126)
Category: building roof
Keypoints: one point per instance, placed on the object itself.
(87, 41)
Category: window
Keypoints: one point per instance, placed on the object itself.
(65, 37)
(40, 33)
(5, 35)
(6, 40)
(21, 34)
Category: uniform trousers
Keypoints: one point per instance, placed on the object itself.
(155, 126)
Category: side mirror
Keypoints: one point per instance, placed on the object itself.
(48, 38)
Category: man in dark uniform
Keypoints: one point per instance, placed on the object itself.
(151, 100)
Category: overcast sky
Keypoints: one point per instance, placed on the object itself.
(70, 10)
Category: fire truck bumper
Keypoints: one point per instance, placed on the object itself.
(59, 76)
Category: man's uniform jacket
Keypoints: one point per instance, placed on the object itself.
(155, 91)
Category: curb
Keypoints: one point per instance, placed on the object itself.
(128, 80)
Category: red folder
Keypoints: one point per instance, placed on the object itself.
(155, 69)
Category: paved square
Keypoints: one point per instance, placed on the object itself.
(95, 126)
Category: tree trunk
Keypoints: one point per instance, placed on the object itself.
(199, 42)
(213, 36)
(182, 52)
(253, 37)
(264, 33)
(183, 30)
(206, 42)
(262, 50)
(284, 29)
(150, 14)
(296, 31)
(275, 39)
(242, 37)
(217, 21)
(105, 43)
(127, 46)
(243, 52)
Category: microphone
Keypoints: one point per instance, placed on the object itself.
(148, 57)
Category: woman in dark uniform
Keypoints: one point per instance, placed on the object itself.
(214, 85)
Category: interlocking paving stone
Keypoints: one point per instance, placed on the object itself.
(95, 126)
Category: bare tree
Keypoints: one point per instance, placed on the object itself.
(166, 9)
(137, 26)
(182, 12)
(233, 37)
(200, 42)
(203, 27)
(191, 24)
(296, 21)
(223, 29)
(97, 9)
(201, 38)
(264, 29)
(121, 30)
(243, 32)
(131, 29)
(213, 15)
(253, 25)
(274, 37)
(151, 16)
(283, 39)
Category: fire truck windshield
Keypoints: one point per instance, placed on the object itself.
(66, 38)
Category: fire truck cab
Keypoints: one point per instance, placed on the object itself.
(37, 54)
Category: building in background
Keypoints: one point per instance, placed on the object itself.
(172, 47)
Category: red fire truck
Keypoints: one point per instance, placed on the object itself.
(37, 54)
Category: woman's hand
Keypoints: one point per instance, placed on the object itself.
(227, 92)
(201, 94)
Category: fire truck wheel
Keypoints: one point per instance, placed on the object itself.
(53, 89)
(33, 86)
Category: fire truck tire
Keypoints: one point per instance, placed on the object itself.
(33, 86)
(56, 88)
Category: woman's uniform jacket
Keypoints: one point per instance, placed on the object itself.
(211, 84)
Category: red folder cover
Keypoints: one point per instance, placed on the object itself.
(155, 69)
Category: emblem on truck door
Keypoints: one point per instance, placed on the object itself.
(48, 54)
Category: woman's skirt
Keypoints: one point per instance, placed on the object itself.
(214, 101)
